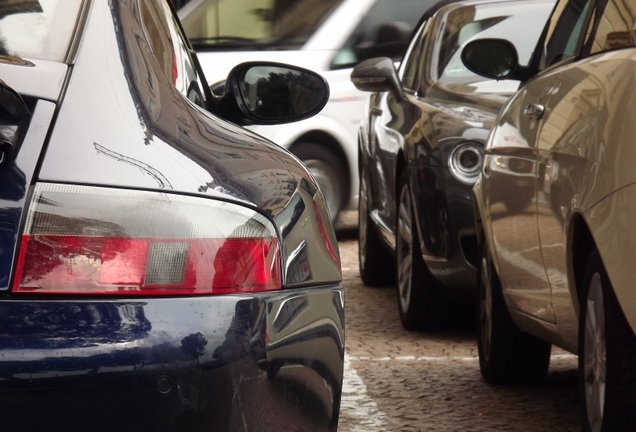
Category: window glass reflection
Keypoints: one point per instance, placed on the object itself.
(488, 21)
(564, 31)
(170, 49)
(615, 26)
(273, 92)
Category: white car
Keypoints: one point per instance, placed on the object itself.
(329, 37)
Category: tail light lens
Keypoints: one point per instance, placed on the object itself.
(101, 241)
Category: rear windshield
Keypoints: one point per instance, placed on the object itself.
(37, 29)
(251, 24)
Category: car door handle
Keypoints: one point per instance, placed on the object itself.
(534, 110)
(486, 166)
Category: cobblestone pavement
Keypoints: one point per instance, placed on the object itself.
(397, 380)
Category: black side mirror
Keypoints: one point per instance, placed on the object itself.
(377, 75)
(266, 93)
(218, 88)
(492, 58)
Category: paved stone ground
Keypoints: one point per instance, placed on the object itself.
(408, 381)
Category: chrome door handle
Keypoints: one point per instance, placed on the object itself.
(534, 110)
(486, 165)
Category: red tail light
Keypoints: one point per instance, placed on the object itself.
(84, 240)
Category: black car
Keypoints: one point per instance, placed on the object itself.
(161, 268)
(420, 151)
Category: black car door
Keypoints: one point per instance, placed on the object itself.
(387, 117)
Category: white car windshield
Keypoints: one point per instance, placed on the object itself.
(37, 29)
(250, 24)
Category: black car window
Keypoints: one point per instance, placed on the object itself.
(613, 26)
(171, 51)
(409, 69)
(565, 29)
(383, 32)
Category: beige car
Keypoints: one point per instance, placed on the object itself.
(558, 262)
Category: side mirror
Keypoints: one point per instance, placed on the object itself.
(377, 75)
(266, 93)
(492, 58)
(218, 88)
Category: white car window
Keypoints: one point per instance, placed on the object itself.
(383, 32)
(251, 24)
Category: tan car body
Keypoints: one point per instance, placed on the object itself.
(555, 207)
(583, 157)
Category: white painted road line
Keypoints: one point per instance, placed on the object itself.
(360, 408)
(438, 358)
(356, 403)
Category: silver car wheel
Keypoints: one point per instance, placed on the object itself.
(328, 183)
(595, 354)
(485, 305)
(405, 249)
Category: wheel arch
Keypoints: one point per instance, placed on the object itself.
(332, 143)
(580, 244)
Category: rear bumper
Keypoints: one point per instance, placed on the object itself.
(243, 362)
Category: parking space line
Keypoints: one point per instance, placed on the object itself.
(358, 404)
(439, 358)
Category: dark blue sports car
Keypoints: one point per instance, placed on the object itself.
(161, 268)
